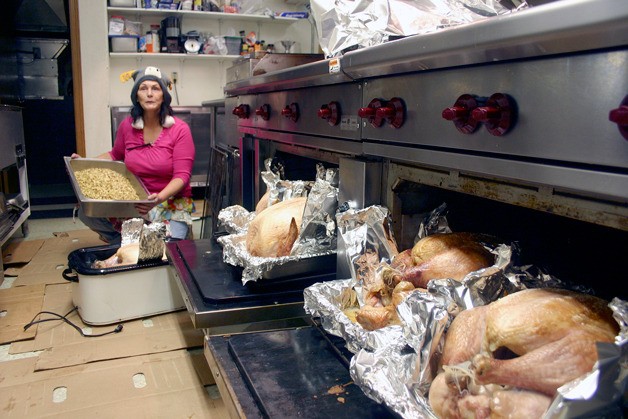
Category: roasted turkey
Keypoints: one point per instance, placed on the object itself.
(439, 256)
(273, 231)
(523, 346)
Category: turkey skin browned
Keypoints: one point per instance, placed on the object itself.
(275, 229)
(525, 346)
(439, 256)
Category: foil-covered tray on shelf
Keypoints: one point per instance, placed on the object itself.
(273, 269)
(106, 207)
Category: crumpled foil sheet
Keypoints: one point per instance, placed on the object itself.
(279, 189)
(149, 236)
(152, 242)
(323, 300)
(131, 231)
(367, 240)
(235, 219)
(345, 24)
(234, 253)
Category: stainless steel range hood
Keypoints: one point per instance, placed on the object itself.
(41, 16)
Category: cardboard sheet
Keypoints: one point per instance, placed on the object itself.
(64, 346)
(18, 306)
(157, 385)
(47, 264)
(20, 251)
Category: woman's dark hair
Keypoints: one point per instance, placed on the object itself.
(164, 111)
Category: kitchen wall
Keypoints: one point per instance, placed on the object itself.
(199, 79)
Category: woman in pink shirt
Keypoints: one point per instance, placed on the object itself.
(158, 148)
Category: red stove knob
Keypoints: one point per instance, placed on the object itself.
(393, 112)
(370, 112)
(499, 114)
(263, 112)
(620, 117)
(460, 114)
(242, 111)
(291, 111)
(330, 112)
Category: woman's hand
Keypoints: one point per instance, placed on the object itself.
(76, 156)
(144, 208)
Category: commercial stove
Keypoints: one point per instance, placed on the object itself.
(518, 122)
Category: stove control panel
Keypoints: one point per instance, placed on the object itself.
(568, 109)
(328, 112)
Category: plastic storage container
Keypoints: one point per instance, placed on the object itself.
(233, 44)
(111, 295)
(124, 43)
(122, 3)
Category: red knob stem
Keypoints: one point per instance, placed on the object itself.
(324, 113)
(485, 113)
(619, 115)
(386, 111)
(366, 112)
(455, 112)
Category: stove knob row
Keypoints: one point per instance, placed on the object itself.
(378, 111)
(498, 113)
(242, 111)
(620, 117)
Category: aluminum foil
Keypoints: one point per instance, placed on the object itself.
(367, 239)
(317, 234)
(235, 219)
(152, 245)
(347, 24)
(234, 253)
(149, 236)
(318, 227)
(325, 300)
(131, 231)
(279, 189)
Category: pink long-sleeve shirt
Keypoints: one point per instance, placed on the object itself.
(169, 157)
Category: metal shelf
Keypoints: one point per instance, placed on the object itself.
(202, 15)
(168, 56)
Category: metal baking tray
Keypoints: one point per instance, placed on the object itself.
(322, 264)
(106, 207)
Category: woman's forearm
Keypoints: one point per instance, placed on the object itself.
(172, 188)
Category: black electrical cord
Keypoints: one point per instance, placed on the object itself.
(118, 328)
